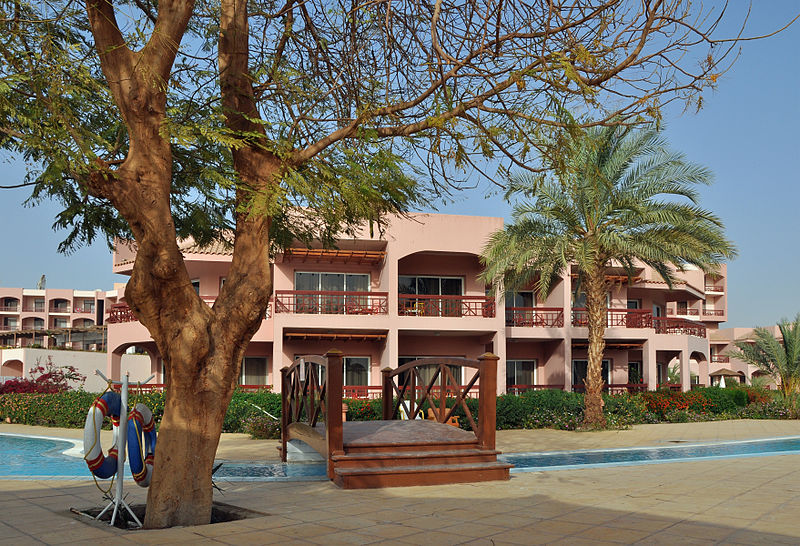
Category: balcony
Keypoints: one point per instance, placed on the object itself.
(616, 318)
(713, 312)
(667, 325)
(685, 312)
(719, 289)
(9, 327)
(84, 310)
(34, 308)
(120, 312)
(9, 308)
(545, 317)
(59, 309)
(720, 359)
(314, 302)
(445, 306)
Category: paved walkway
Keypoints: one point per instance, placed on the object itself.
(736, 501)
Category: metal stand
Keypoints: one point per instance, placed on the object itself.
(122, 445)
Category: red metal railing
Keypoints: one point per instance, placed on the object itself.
(331, 302)
(666, 325)
(34, 309)
(683, 312)
(616, 318)
(9, 308)
(445, 306)
(519, 389)
(159, 387)
(83, 310)
(120, 312)
(720, 359)
(714, 312)
(714, 288)
(615, 388)
(548, 317)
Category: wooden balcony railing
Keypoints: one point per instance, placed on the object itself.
(445, 306)
(546, 317)
(667, 325)
(315, 302)
(616, 318)
(721, 359)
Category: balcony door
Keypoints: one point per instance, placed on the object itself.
(520, 373)
(254, 371)
(430, 286)
(327, 282)
(580, 371)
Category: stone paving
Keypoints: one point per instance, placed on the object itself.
(733, 501)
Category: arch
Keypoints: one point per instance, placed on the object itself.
(9, 303)
(702, 367)
(149, 347)
(82, 323)
(12, 368)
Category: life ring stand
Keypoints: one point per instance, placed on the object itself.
(141, 423)
(107, 405)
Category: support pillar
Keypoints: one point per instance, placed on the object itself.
(686, 376)
(649, 366)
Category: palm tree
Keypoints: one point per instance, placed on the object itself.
(617, 196)
(779, 358)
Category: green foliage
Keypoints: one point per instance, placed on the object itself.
(624, 410)
(245, 405)
(779, 358)
(364, 410)
(263, 427)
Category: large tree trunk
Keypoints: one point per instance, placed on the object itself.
(596, 312)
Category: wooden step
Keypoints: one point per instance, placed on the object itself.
(414, 458)
(410, 447)
(370, 478)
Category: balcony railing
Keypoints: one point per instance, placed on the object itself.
(667, 325)
(713, 312)
(519, 389)
(34, 308)
(120, 312)
(9, 327)
(84, 310)
(445, 306)
(60, 309)
(721, 359)
(683, 312)
(615, 388)
(714, 288)
(547, 317)
(616, 318)
(331, 302)
(9, 308)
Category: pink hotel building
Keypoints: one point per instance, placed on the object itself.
(413, 291)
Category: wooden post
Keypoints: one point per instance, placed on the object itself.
(487, 400)
(333, 411)
(386, 394)
(285, 394)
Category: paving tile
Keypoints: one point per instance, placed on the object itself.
(432, 537)
(611, 534)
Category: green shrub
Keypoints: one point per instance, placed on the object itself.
(263, 427)
(623, 410)
(723, 400)
(364, 410)
(550, 418)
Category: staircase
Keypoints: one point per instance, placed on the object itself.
(403, 453)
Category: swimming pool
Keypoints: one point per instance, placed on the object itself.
(27, 457)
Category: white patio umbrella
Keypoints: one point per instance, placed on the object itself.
(722, 382)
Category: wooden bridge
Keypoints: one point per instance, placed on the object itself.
(393, 452)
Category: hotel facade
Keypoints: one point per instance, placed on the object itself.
(413, 291)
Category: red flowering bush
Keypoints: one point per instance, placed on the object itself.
(45, 379)
(663, 402)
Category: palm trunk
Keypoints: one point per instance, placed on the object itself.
(596, 311)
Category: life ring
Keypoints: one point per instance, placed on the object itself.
(100, 465)
(139, 422)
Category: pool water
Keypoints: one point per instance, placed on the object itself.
(25, 457)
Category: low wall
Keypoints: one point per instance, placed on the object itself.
(86, 362)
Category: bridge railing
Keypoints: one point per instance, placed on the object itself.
(400, 390)
(311, 393)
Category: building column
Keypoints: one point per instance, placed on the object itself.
(703, 371)
(276, 362)
(649, 367)
(500, 351)
(389, 357)
(114, 366)
(686, 376)
(566, 349)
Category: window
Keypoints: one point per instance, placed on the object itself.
(634, 304)
(520, 372)
(635, 374)
(683, 308)
(38, 305)
(254, 370)
(580, 371)
(60, 323)
(196, 286)
(430, 286)
(327, 282)
(356, 370)
(426, 372)
(657, 310)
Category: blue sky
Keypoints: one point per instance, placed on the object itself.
(747, 133)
